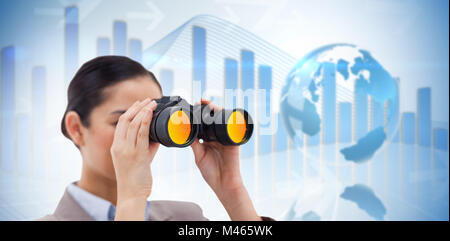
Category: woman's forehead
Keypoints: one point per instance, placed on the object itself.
(127, 92)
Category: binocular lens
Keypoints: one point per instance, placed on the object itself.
(179, 127)
(236, 127)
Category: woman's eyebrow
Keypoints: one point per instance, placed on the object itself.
(118, 112)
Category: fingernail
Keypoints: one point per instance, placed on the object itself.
(153, 103)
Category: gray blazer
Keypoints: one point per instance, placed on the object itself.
(69, 210)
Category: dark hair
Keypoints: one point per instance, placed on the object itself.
(85, 91)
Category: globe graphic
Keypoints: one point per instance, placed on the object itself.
(337, 81)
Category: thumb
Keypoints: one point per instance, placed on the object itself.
(198, 149)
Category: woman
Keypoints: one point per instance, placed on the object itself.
(110, 106)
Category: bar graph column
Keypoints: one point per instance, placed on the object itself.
(265, 174)
(71, 42)
(8, 125)
(329, 103)
(408, 160)
(265, 83)
(408, 128)
(345, 122)
(312, 157)
(135, 50)
(392, 159)
(247, 151)
(361, 128)
(376, 166)
(120, 38)
(166, 78)
(103, 46)
(440, 154)
(199, 61)
(361, 113)
(248, 86)
(440, 169)
(39, 93)
(440, 140)
(377, 115)
(231, 83)
(393, 130)
(328, 157)
(345, 138)
(423, 149)
(424, 116)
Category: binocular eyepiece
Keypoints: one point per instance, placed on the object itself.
(176, 123)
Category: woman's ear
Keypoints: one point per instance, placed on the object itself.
(74, 128)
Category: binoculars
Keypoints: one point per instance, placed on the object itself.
(176, 123)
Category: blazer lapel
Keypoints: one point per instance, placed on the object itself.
(68, 209)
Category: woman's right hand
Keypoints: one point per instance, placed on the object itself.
(132, 153)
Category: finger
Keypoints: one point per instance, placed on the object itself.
(135, 125)
(125, 118)
(121, 127)
(205, 101)
(198, 149)
(144, 130)
(201, 102)
(210, 104)
(134, 110)
(215, 107)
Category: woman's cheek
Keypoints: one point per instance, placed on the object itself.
(105, 140)
(109, 138)
(104, 137)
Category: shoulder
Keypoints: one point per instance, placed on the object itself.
(175, 210)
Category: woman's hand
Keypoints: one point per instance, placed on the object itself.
(219, 165)
(132, 154)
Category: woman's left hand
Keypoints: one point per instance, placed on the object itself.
(219, 165)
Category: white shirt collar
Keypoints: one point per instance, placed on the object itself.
(98, 208)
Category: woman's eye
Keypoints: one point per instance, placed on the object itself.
(115, 123)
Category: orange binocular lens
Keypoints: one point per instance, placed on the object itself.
(236, 127)
(179, 127)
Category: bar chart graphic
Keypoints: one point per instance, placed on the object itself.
(215, 59)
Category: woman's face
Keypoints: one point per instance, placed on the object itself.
(98, 137)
